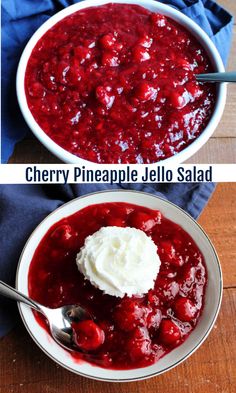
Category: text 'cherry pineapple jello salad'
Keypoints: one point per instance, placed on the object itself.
(140, 276)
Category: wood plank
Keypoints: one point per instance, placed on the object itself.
(232, 58)
(229, 5)
(227, 128)
(25, 369)
(219, 221)
(32, 151)
(227, 125)
(216, 151)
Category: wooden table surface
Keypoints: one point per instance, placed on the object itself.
(221, 147)
(24, 368)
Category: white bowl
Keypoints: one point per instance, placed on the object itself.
(154, 6)
(212, 296)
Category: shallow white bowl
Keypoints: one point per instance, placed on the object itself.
(154, 6)
(212, 297)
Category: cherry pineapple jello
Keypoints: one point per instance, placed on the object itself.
(116, 84)
(127, 332)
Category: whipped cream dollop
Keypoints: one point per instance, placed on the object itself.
(119, 261)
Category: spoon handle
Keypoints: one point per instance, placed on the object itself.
(12, 293)
(217, 77)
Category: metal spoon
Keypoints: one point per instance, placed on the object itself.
(217, 77)
(59, 319)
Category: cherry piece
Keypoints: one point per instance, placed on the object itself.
(143, 221)
(82, 53)
(87, 335)
(145, 91)
(104, 96)
(63, 235)
(169, 332)
(139, 345)
(107, 41)
(37, 90)
(145, 41)
(115, 222)
(158, 19)
(184, 309)
(129, 314)
(154, 319)
(140, 54)
(110, 59)
(177, 99)
(168, 253)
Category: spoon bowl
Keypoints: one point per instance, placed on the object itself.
(59, 319)
(60, 323)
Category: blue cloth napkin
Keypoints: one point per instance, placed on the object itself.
(23, 207)
(20, 19)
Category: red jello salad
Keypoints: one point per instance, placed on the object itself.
(116, 84)
(94, 258)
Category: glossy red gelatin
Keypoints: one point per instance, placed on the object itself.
(129, 332)
(116, 84)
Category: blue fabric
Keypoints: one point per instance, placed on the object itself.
(20, 19)
(23, 207)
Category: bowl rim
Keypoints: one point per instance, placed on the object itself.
(153, 374)
(184, 20)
